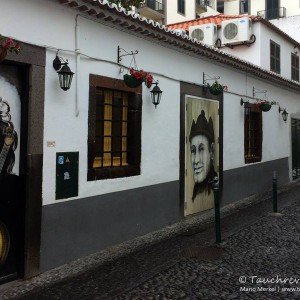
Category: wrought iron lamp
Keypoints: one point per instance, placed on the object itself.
(156, 94)
(284, 113)
(65, 75)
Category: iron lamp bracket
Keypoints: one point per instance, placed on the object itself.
(125, 53)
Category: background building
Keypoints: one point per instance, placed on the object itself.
(174, 11)
(250, 38)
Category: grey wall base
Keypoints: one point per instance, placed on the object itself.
(81, 227)
(254, 179)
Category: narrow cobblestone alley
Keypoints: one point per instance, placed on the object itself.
(255, 243)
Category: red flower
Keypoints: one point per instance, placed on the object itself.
(142, 75)
(9, 43)
(149, 80)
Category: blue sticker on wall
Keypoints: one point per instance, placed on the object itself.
(60, 160)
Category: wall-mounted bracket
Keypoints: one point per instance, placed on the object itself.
(207, 77)
(126, 53)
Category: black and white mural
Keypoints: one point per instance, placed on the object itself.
(202, 153)
(10, 120)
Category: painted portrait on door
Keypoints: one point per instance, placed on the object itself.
(10, 121)
(201, 153)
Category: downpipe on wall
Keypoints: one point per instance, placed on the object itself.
(77, 50)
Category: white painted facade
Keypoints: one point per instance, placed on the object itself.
(289, 25)
(172, 15)
(259, 52)
(49, 23)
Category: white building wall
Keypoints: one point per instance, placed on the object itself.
(160, 127)
(257, 5)
(210, 12)
(289, 25)
(259, 52)
(172, 12)
(286, 49)
(252, 53)
(231, 7)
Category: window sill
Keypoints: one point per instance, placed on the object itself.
(113, 172)
(252, 160)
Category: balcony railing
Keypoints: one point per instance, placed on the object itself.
(155, 5)
(274, 13)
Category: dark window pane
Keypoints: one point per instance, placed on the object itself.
(244, 6)
(253, 135)
(274, 57)
(181, 6)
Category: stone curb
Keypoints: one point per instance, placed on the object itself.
(186, 226)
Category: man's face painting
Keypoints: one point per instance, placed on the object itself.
(200, 157)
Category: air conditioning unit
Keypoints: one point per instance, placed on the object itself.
(182, 32)
(205, 33)
(236, 31)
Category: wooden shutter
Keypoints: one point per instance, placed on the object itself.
(272, 56)
(295, 67)
(278, 69)
(91, 142)
(253, 135)
(134, 131)
(275, 57)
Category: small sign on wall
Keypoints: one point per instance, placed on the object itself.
(66, 175)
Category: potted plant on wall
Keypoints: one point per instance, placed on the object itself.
(216, 88)
(137, 77)
(265, 105)
(8, 45)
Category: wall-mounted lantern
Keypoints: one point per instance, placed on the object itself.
(284, 113)
(156, 94)
(296, 50)
(246, 106)
(65, 75)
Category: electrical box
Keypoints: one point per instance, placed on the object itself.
(66, 174)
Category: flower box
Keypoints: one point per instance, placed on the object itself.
(131, 81)
(137, 77)
(216, 88)
(265, 107)
(8, 44)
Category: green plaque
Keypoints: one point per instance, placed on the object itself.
(66, 174)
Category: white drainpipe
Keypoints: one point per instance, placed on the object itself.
(77, 50)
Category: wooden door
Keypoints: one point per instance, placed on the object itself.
(201, 153)
(295, 148)
(13, 131)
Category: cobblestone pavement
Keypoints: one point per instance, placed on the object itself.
(267, 249)
(192, 267)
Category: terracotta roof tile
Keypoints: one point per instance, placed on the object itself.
(217, 19)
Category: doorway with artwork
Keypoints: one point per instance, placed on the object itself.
(201, 153)
(13, 151)
(295, 123)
